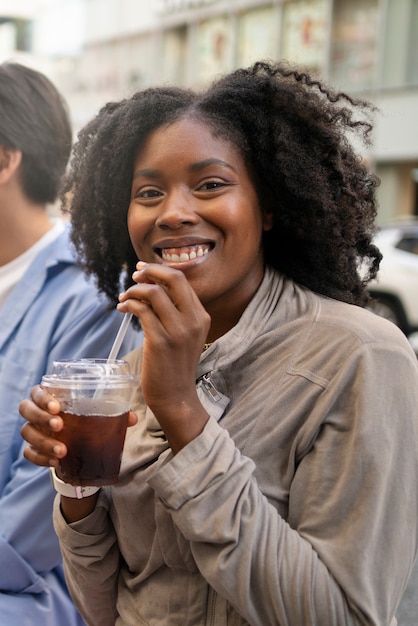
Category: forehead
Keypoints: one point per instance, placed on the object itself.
(188, 137)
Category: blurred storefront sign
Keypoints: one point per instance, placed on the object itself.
(170, 6)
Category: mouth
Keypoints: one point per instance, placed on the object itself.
(184, 253)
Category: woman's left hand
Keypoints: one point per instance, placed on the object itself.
(175, 327)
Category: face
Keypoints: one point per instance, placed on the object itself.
(194, 207)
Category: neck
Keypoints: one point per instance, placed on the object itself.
(22, 225)
(224, 317)
(226, 310)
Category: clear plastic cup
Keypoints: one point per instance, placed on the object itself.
(95, 397)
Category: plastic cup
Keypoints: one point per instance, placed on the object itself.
(95, 397)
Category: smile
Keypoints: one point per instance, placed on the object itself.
(179, 255)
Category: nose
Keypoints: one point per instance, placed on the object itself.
(177, 211)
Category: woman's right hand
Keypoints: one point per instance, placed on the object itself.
(42, 412)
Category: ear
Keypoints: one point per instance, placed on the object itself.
(10, 160)
(268, 220)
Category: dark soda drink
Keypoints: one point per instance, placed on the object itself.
(95, 397)
(95, 443)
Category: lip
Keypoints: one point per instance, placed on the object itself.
(181, 242)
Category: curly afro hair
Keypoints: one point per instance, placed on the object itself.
(293, 134)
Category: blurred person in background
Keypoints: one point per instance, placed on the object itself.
(48, 310)
(271, 476)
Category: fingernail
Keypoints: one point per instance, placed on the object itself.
(54, 423)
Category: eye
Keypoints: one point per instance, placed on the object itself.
(147, 193)
(211, 185)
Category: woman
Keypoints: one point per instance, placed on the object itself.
(271, 477)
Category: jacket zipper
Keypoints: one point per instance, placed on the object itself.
(211, 612)
(210, 387)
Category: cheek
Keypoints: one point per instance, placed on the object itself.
(253, 226)
(131, 222)
(137, 228)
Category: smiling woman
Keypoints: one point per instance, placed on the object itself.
(273, 454)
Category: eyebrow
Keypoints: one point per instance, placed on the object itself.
(195, 167)
(147, 172)
(200, 165)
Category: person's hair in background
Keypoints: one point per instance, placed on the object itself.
(34, 118)
(293, 134)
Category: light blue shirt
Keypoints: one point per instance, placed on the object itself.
(53, 312)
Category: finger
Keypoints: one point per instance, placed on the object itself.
(42, 449)
(40, 459)
(146, 292)
(42, 441)
(147, 303)
(155, 274)
(170, 293)
(164, 327)
(132, 419)
(30, 411)
(174, 282)
(44, 400)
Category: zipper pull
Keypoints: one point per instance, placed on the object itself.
(210, 387)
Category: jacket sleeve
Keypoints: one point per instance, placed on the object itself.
(93, 575)
(31, 579)
(345, 552)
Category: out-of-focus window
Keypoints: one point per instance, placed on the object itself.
(137, 61)
(15, 35)
(214, 48)
(173, 69)
(257, 36)
(412, 67)
(304, 33)
(7, 38)
(400, 54)
(354, 43)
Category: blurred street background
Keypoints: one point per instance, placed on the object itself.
(100, 50)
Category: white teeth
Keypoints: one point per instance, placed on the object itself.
(196, 251)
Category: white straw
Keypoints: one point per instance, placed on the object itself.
(120, 336)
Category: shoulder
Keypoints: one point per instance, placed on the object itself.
(341, 339)
(356, 323)
(62, 248)
(64, 271)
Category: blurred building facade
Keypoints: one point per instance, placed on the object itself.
(368, 48)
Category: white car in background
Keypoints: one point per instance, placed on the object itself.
(395, 290)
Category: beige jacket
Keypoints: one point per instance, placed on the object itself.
(297, 505)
